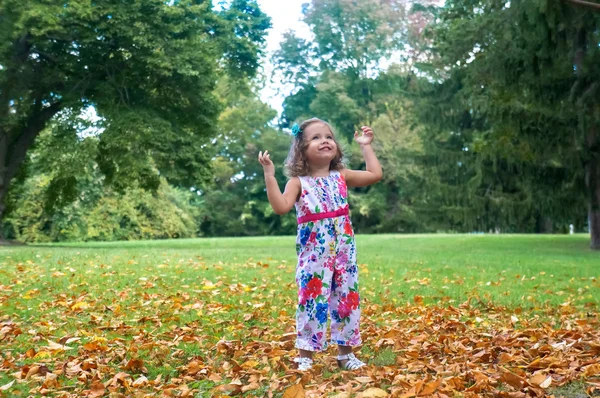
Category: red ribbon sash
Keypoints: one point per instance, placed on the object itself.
(343, 211)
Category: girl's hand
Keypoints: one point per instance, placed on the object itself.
(366, 138)
(267, 163)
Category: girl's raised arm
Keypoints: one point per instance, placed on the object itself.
(360, 178)
(281, 203)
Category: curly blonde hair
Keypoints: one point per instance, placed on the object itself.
(296, 164)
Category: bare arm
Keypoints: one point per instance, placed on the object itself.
(374, 173)
(280, 202)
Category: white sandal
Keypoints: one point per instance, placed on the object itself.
(352, 363)
(304, 363)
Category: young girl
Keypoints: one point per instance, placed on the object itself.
(327, 273)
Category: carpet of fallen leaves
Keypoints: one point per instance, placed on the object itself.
(473, 349)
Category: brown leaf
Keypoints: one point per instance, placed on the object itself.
(233, 388)
(140, 381)
(135, 365)
(512, 379)
(96, 389)
(251, 387)
(32, 371)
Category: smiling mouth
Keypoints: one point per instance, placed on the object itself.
(326, 148)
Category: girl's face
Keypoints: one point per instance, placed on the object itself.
(321, 148)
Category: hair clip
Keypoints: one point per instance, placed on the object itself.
(296, 130)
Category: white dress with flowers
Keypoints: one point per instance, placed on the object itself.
(327, 272)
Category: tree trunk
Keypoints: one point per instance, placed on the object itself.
(3, 172)
(544, 224)
(14, 150)
(592, 166)
(592, 180)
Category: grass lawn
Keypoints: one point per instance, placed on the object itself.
(460, 315)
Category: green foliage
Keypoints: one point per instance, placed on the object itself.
(136, 214)
(149, 68)
(238, 180)
(489, 121)
(501, 117)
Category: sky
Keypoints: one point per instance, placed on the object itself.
(285, 15)
(283, 18)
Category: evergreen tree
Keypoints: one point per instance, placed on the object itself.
(513, 112)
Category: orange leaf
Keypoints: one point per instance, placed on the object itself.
(541, 380)
(505, 357)
(431, 387)
(295, 391)
(592, 370)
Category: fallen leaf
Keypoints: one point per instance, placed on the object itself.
(295, 391)
(251, 387)
(96, 389)
(541, 380)
(7, 386)
(373, 393)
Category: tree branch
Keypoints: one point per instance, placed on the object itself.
(584, 3)
(35, 124)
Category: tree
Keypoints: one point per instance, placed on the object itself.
(350, 40)
(516, 84)
(148, 68)
(243, 131)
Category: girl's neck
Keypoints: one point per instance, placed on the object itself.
(318, 171)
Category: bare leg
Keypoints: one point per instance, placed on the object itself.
(305, 354)
(344, 350)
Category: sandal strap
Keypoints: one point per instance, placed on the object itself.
(352, 363)
(304, 363)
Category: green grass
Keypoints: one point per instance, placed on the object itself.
(512, 270)
(235, 288)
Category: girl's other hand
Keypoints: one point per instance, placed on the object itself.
(267, 163)
(366, 137)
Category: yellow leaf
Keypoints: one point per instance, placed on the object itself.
(31, 293)
(42, 354)
(295, 391)
(373, 393)
(82, 305)
(250, 364)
